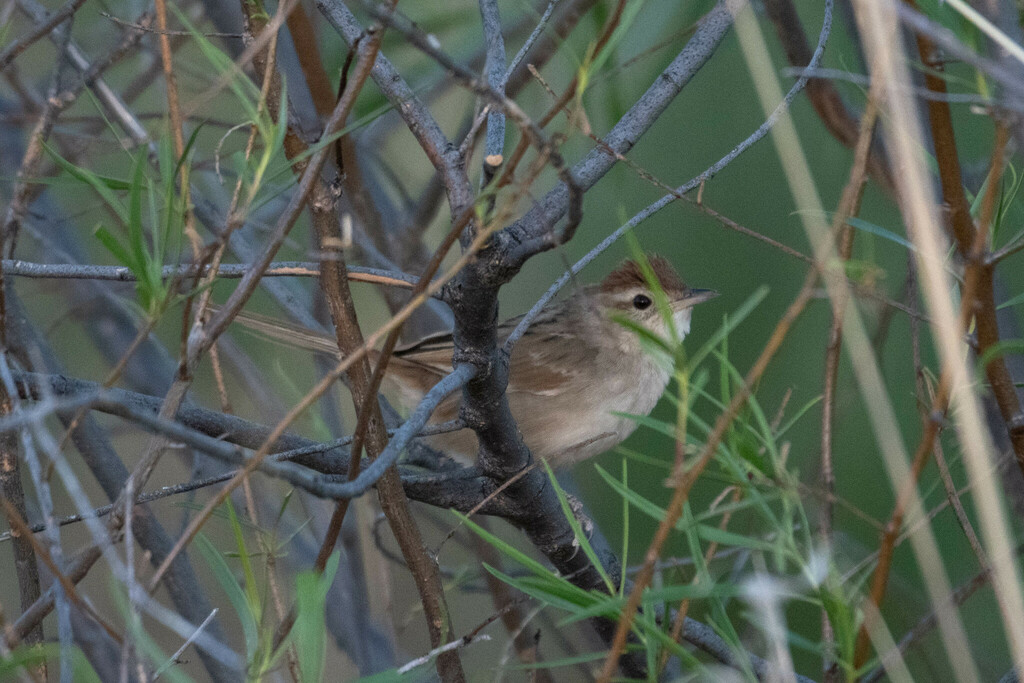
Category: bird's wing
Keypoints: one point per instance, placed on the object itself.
(544, 367)
(417, 367)
(532, 369)
(543, 361)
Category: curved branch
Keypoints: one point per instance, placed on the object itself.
(532, 230)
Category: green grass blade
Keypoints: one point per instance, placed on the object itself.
(310, 630)
(581, 537)
(236, 596)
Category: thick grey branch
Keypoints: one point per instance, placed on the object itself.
(495, 71)
(533, 230)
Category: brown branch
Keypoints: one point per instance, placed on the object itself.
(393, 501)
(930, 620)
(66, 583)
(201, 338)
(352, 179)
(567, 95)
(177, 128)
(308, 51)
(933, 420)
(350, 340)
(11, 492)
(421, 123)
(824, 97)
(334, 284)
(368, 400)
(970, 246)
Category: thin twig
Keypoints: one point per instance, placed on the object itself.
(176, 657)
(849, 205)
(74, 271)
(934, 417)
(43, 26)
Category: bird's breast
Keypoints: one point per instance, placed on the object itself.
(578, 424)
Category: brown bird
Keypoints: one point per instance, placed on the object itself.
(573, 370)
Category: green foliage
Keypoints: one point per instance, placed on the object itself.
(309, 634)
(594, 61)
(247, 595)
(18, 663)
(761, 516)
(152, 217)
(144, 644)
(248, 618)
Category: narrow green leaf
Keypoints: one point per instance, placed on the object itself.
(115, 184)
(310, 630)
(114, 246)
(277, 142)
(788, 424)
(183, 159)
(245, 91)
(560, 594)
(234, 592)
(581, 537)
(645, 334)
(865, 226)
(136, 238)
(625, 526)
(999, 349)
(638, 501)
(251, 591)
(143, 643)
(722, 537)
(629, 14)
(1019, 299)
(504, 548)
(94, 181)
(731, 323)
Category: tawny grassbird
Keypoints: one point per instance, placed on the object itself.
(571, 375)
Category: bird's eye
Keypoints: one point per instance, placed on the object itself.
(641, 301)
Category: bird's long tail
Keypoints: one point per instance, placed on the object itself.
(294, 336)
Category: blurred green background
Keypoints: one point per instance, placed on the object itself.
(713, 114)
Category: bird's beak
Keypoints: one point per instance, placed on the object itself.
(692, 298)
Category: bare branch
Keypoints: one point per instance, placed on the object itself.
(43, 26)
(74, 271)
(421, 123)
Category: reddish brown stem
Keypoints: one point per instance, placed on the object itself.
(825, 99)
(334, 283)
(966, 240)
(975, 276)
(566, 97)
